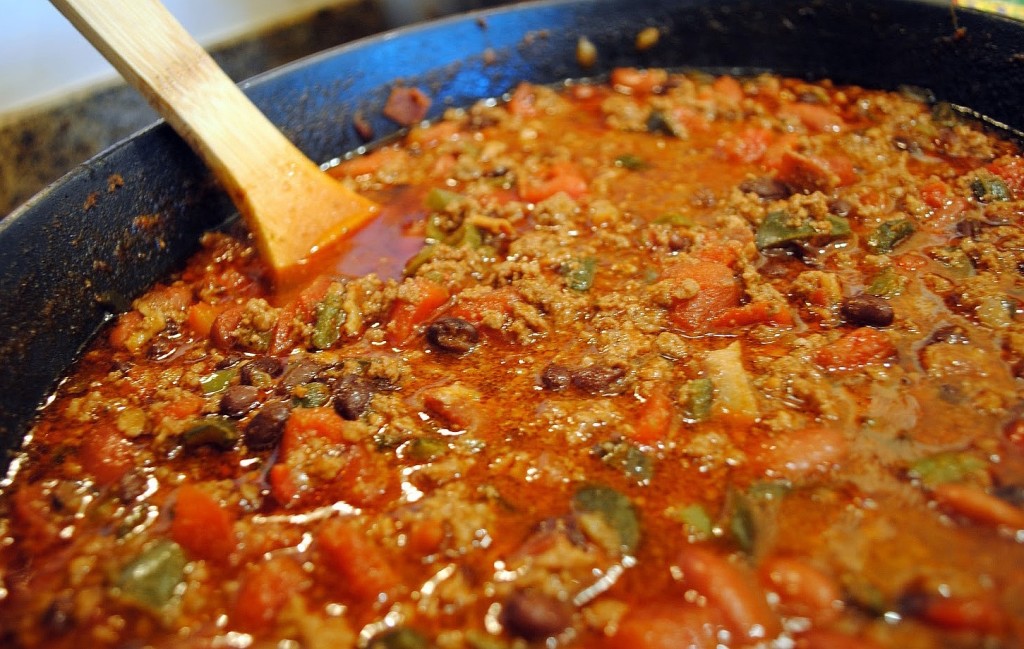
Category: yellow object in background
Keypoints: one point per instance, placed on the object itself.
(1013, 9)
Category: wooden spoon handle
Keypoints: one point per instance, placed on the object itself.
(282, 194)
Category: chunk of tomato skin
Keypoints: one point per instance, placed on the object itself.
(201, 526)
(668, 626)
(407, 313)
(523, 101)
(306, 423)
(728, 89)
(264, 590)
(802, 589)
(860, 347)
(746, 147)
(106, 455)
(741, 602)
(655, 419)
(718, 291)
(366, 574)
(754, 313)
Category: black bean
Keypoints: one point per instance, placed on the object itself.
(298, 372)
(258, 369)
(352, 396)
(598, 378)
(679, 242)
(160, 349)
(952, 334)
(453, 335)
(556, 377)
(267, 427)
(59, 616)
(766, 188)
(532, 615)
(238, 400)
(969, 228)
(840, 207)
(1011, 493)
(867, 311)
(131, 486)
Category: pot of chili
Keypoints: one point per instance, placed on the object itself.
(78, 254)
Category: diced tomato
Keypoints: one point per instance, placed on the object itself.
(365, 572)
(655, 419)
(366, 164)
(283, 485)
(299, 310)
(718, 291)
(201, 317)
(752, 314)
(730, 590)
(815, 117)
(407, 313)
(263, 591)
(856, 349)
(947, 207)
(562, 177)
(1011, 170)
(728, 89)
(105, 454)
(639, 81)
(432, 134)
(474, 309)
(782, 144)
(718, 253)
(426, 536)
(201, 525)
(748, 146)
(183, 406)
(307, 423)
(690, 118)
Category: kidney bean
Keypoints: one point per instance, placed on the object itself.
(556, 377)
(298, 372)
(352, 396)
(794, 454)
(453, 335)
(669, 627)
(259, 369)
(598, 378)
(978, 613)
(532, 615)
(765, 187)
(59, 616)
(730, 590)
(867, 311)
(238, 400)
(803, 590)
(978, 506)
(267, 427)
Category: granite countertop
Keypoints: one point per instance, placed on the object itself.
(42, 145)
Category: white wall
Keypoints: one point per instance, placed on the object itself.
(42, 56)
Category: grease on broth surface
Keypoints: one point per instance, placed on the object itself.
(675, 361)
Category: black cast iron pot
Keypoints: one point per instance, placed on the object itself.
(78, 252)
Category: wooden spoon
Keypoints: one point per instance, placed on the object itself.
(289, 204)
